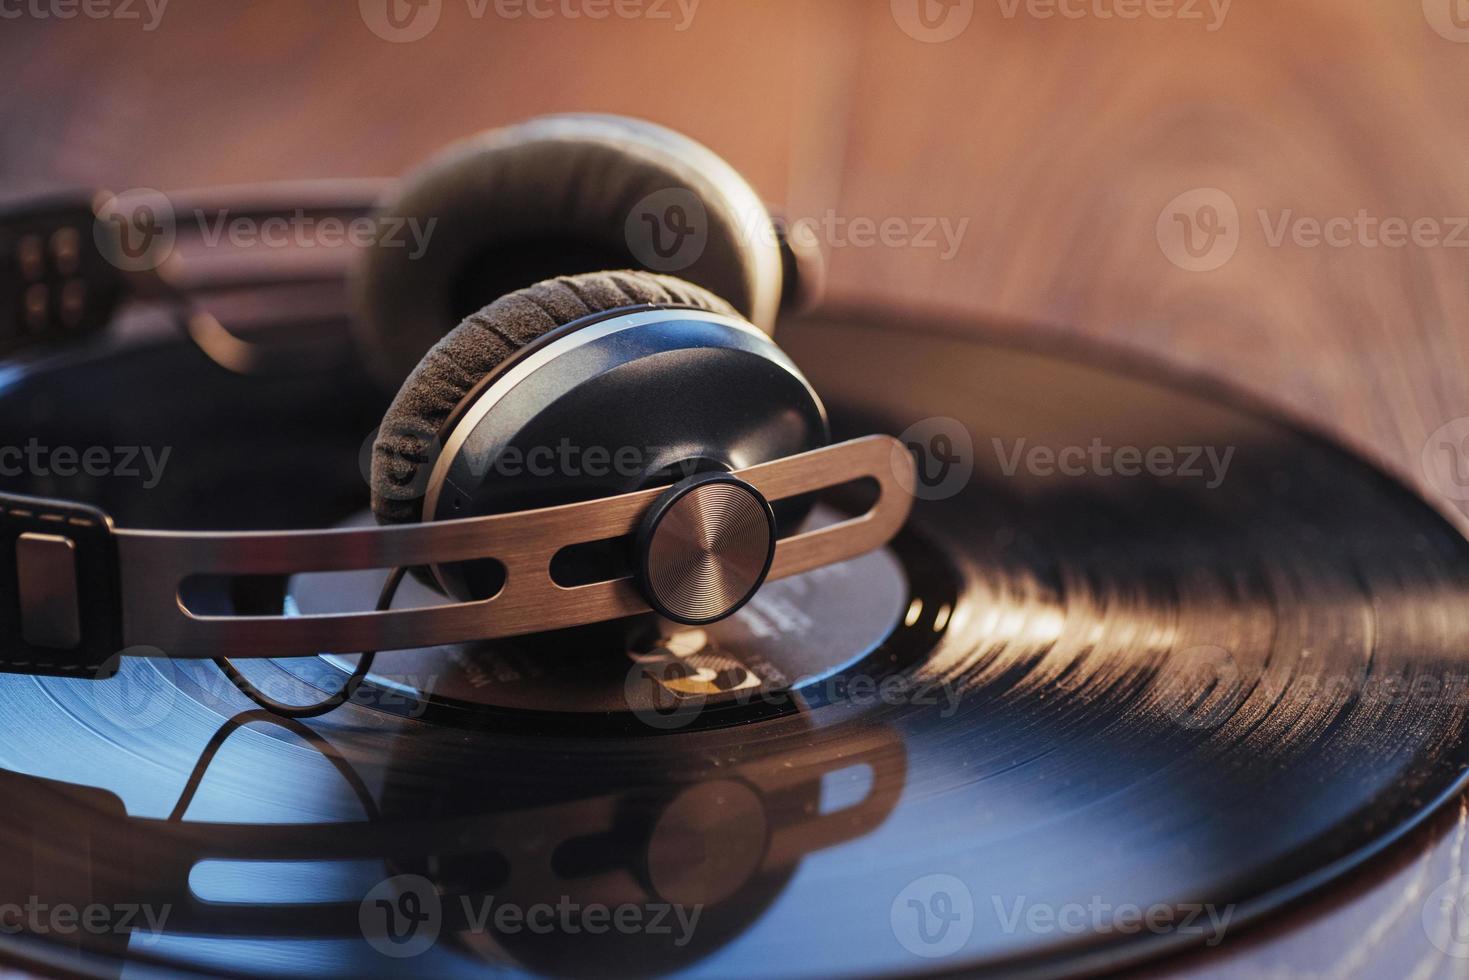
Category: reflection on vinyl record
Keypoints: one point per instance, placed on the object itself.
(1144, 665)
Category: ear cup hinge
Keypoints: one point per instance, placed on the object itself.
(59, 598)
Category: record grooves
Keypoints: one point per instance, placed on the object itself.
(1202, 685)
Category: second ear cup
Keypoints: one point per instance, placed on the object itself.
(558, 195)
(408, 442)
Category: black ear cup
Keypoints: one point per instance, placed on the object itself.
(462, 360)
(579, 388)
(554, 196)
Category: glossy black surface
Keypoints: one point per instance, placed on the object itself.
(1148, 690)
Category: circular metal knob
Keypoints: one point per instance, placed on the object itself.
(705, 548)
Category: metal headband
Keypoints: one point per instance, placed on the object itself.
(75, 591)
(125, 583)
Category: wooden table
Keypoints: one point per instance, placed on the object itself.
(1075, 151)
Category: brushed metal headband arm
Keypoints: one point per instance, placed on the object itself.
(153, 564)
(69, 263)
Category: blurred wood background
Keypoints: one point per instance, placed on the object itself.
(1061, 140)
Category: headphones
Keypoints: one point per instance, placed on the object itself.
(591, 445)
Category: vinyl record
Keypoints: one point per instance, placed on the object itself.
(1147, 663)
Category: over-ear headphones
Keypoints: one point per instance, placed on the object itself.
(601, 440)
(661, 375)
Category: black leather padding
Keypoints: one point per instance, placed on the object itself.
(408, 441)
(560, 186)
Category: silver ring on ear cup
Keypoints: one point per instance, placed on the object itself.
(562, 191)
(474, 353)
(669, 392)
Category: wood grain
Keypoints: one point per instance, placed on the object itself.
(1059, 141)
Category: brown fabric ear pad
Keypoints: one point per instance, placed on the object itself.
(557, 195)
(406, 446)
